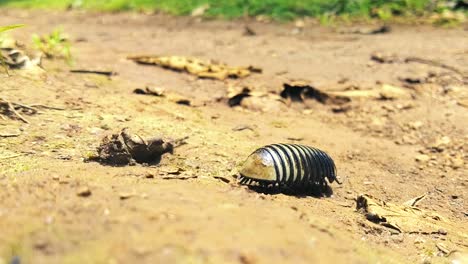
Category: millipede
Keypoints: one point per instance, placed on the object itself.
(288, 165)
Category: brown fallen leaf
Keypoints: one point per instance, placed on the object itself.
(415, 201)
(299, 91)
(160, 92)
(198, 67)
(256, 99)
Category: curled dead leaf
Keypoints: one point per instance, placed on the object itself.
(198, 67)
(256, 99)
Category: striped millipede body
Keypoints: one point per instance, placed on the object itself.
(288, 165)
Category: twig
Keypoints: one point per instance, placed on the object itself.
(225, 180)
(436, 64)
(106, 73)
(415, 201)
(12, 108)
(10, 157)
(179, 177)
(26, 107)
(6, 135)
(180, 141)
(47, 107)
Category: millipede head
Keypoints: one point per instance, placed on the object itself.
(259, 167)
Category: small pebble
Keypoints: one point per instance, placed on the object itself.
(126, 195)
(84, 192)
(422, 158)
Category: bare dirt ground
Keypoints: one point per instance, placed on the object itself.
(56, 208)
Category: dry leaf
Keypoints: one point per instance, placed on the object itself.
(200, 68)
(403, 218)
(415, 201)
(255, 99)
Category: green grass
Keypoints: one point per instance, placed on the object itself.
(10, 27)
(54, 45)
(276, 9)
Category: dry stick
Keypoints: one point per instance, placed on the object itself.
(435, 63)
(8, 135)
(47, 107)
(12, 108)
(180, 141)
(26, 107)
(106, 73)
(10, 157)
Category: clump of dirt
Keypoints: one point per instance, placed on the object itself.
(126, 148)
(298, 91)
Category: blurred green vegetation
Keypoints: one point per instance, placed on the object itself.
(276, 9)
(54, 45)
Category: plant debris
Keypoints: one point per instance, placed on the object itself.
(179, 177)
(299, 91)
(127, 149)
(254, 99)
(393, 58)
(150, 91)
(402, 218)
(11, 110)
(381, 92)
(7, 135)
(105, 73)
(382, 29)
(15, 110)
(173, 97)
(415, 201)
(242, 127)
(54, 45)
(195, 66)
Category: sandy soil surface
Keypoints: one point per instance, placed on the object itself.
(392, 144)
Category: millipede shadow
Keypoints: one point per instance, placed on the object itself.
(311, 191)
